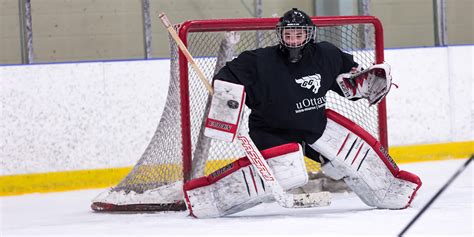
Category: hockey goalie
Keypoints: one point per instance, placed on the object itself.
(285, 87)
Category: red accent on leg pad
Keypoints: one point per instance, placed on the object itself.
(367, 137)
(410, 177)
(233, 167)
(240, 163)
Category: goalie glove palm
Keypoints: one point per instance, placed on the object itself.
(372, 84)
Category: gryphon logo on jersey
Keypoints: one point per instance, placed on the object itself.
(310, 81)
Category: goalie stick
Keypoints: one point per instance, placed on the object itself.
(284, 199)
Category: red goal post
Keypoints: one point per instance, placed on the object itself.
(256, 24)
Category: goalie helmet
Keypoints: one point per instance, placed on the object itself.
(295, 30)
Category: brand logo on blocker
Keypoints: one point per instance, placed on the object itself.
(310, 82)
(308, 104)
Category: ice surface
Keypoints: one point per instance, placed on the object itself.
(68, 214)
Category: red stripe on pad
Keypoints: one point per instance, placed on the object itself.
(240, 163)
(355, 157)
(367, 137)
(253, 179)
(343, 144)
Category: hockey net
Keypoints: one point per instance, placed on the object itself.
(178, 150)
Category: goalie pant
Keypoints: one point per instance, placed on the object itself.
(363, 163)
(237, 186)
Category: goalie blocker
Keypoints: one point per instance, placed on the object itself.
(227, 103)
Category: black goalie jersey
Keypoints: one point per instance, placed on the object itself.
(287, 99)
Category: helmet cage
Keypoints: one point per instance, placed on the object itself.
(294, 41)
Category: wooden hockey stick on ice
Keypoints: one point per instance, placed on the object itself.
(185, 51)
(284, 199)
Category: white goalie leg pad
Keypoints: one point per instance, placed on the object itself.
(228, 190)
(363, 163)
(237, 186)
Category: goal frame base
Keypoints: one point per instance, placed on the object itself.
(108, 207)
